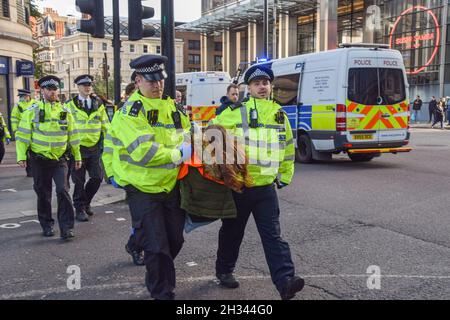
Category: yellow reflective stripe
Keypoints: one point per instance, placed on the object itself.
(49, 144)
(27, 141)
(289, 158)
(108, 150)
(23, 130)
(128, 159)
(89, 130)
(142, 139)
(264, 163)
(74, 142)
(115, 141)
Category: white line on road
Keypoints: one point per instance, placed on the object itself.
(140, 283)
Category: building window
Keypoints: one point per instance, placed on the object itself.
(20, 11)
(217, 61)
(104, 46)
(5, 8)
(75, 47)
(306, 34)
(145, 48)
(194, 59)
(158, 49)
(91, 62)
(193, 69)
(132, 48)
(90, 46)
(194, 44)
(218, 46)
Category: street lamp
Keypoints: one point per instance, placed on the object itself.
(68, 73)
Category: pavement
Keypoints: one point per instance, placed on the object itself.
(18, 199)
(376, 231)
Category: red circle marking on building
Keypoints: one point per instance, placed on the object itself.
(438, 34)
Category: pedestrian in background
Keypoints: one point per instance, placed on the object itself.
(432, 108)
(417, 105)
(444, 108)
(231, 98)
(5, 136)
(439, 114)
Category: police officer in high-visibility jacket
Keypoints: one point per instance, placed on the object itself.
(262, 125)
(48, 129)
(25, 101)
(143, 150)
(5, 136)
(91, 120)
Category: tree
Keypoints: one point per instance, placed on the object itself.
(34, 10)
(100, 86)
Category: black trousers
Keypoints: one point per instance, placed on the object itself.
(83, 192)
(44, 171)
(29, 167)
(2, 150)
(263, 203)
(159, 224)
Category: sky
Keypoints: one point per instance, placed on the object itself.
(185, 10)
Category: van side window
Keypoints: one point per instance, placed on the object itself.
(285, 89)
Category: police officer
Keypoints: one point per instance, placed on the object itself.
(91, 119)
(143, 150)
(48, 129)
(5, 136)
(261, 124)
(16, 114)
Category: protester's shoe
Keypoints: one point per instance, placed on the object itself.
(89, 211)
(67, 234)
(138, 257)
(293, 285)
(48, 232)
(227, 280)
(81, 216)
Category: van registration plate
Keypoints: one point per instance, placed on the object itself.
(362, 136)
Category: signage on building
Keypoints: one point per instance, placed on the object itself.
(420, 38)
(4, 67)
(24, 68)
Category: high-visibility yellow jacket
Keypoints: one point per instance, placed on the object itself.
(141, 150)
(49, 129)
(16, 113)
(7, 135)
(89, 125)
(269, 146)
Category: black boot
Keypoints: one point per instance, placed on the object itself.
(81, 216)
(293, 285)
(138, 257)
(89, 211)
(227, 280)
(48, 232)
(67, 234)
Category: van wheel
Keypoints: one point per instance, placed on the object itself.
(303, 153)
(360, 157)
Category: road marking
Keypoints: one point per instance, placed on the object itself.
(26, 221)
(191, 264)
(9, 190)
(10, 226)
(109, 211)
(139, 282)
(121, 219)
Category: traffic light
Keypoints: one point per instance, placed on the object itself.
(136, 13)
(95, 26)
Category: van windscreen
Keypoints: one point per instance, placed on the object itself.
(370, 86)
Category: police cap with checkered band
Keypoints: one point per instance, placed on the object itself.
(258, 72)
(151, 67)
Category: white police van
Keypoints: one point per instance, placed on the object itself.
(353, 100)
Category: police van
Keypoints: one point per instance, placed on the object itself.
(202, 92)
(353, 100)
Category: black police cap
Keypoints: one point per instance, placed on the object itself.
(84, 79)
(258, 72)
(151, 67)
(23, 92)
(49, 82)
